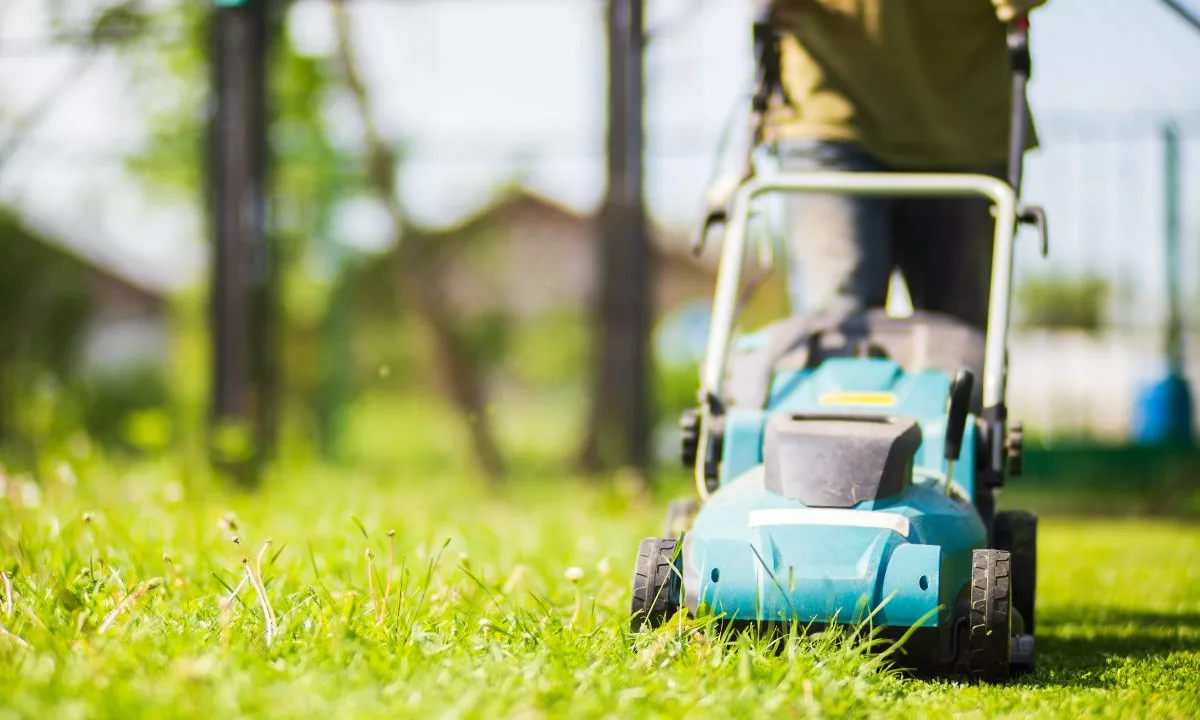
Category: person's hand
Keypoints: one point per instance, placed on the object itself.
(1008, 10)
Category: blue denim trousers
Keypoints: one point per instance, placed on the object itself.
(843, 249)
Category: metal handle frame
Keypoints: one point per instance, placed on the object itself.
(724, 310)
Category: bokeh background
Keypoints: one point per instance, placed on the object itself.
(433, 285)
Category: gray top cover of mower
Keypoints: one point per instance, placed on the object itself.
(924, 341)
(838, 462)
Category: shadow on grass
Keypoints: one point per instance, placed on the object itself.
(1090, 649)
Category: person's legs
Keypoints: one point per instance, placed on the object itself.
(839, 255)
(943, 248)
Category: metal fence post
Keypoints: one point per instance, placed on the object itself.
(1163, 414)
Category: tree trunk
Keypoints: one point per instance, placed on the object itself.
(459, 376)
(619, 422)
(241, 294)
(451, 360)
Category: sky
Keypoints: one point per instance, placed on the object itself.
(489, 90)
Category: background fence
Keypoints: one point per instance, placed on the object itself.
(1096, 310)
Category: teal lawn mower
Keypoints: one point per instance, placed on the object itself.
(849, 471)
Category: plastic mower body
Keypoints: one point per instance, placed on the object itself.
(846, 471)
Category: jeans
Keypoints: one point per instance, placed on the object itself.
(843, 249)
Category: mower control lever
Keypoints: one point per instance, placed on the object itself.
(960, 403)
(956, 423)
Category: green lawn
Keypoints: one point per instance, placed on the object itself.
(120, 608)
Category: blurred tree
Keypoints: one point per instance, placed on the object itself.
(310, 177)
(243, 329)
(417, 263)
(619, 424)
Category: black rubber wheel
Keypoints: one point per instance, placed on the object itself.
(655, 584)
(1016, 532)
(680, 515)
(689, 437)
(990, 617)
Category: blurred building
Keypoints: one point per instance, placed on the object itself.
(128, 323)
(90, 312)
(527, 254)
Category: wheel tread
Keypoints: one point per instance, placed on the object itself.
(989, 616)
(653, 576)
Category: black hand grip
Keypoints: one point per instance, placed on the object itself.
(1018, 47)
(766, 52)
(960, 404)
(1022, 68)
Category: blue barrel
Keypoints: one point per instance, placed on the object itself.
(1162, 414)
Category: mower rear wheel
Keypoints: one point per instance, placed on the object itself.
(656, 583)
(680, 515)
(990, 617)
(1016, 532)
(689, 436)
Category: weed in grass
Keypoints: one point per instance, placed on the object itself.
(8, 597)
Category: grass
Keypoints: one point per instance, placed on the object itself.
(408, 595)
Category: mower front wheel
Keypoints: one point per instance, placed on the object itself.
(656, 583)
(990, 617)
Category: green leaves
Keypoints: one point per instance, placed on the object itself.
(119, 24)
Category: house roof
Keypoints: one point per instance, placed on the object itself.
(512, 201)
(107, 260)
(20, 229)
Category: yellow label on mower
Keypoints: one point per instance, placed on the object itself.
(869, 399)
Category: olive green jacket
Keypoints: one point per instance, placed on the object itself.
(920, 84)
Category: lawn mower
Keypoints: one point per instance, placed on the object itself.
(847, 472)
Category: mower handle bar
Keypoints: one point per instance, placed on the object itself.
(886, 184)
